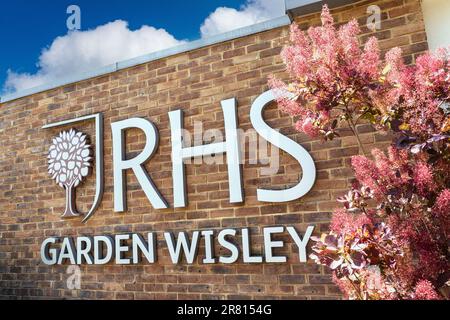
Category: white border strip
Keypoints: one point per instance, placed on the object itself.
(193, 45)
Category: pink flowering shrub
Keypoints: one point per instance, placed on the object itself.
(333, 80)
(389, 240)
(362, 259)
(410, 201)
(424, 291)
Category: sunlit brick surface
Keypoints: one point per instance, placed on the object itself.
(31, 203)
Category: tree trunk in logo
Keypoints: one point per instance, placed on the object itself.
(68, 162)
(71, 210)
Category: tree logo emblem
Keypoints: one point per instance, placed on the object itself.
(69, 162)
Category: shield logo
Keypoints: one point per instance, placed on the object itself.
(70, 160)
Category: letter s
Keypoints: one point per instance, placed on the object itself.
(293, 148)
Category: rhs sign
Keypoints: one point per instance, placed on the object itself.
(70, 159)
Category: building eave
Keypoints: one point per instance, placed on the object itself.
(296, 8)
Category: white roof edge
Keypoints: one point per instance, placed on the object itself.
(292, 4)
(189, 46)
(296, 8)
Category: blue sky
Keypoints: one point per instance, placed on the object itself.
(29, 27)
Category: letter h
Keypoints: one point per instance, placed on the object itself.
(230, 146)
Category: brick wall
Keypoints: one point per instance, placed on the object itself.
(31, 203)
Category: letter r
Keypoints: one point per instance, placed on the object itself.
(136, 164)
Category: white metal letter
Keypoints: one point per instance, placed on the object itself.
(121, 248)
(99, 243)
(149, 251)
(209, 247)
(246, 246)
(228, 245)
(86, 251)
(301, 243)
(67, 251)
(269, 244)
(190, 250)
(293, 148)
(136, 164)
(49, 255)
(230, 147)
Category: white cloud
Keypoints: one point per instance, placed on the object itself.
(84, 50)
(224, 19)
(80, 51)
